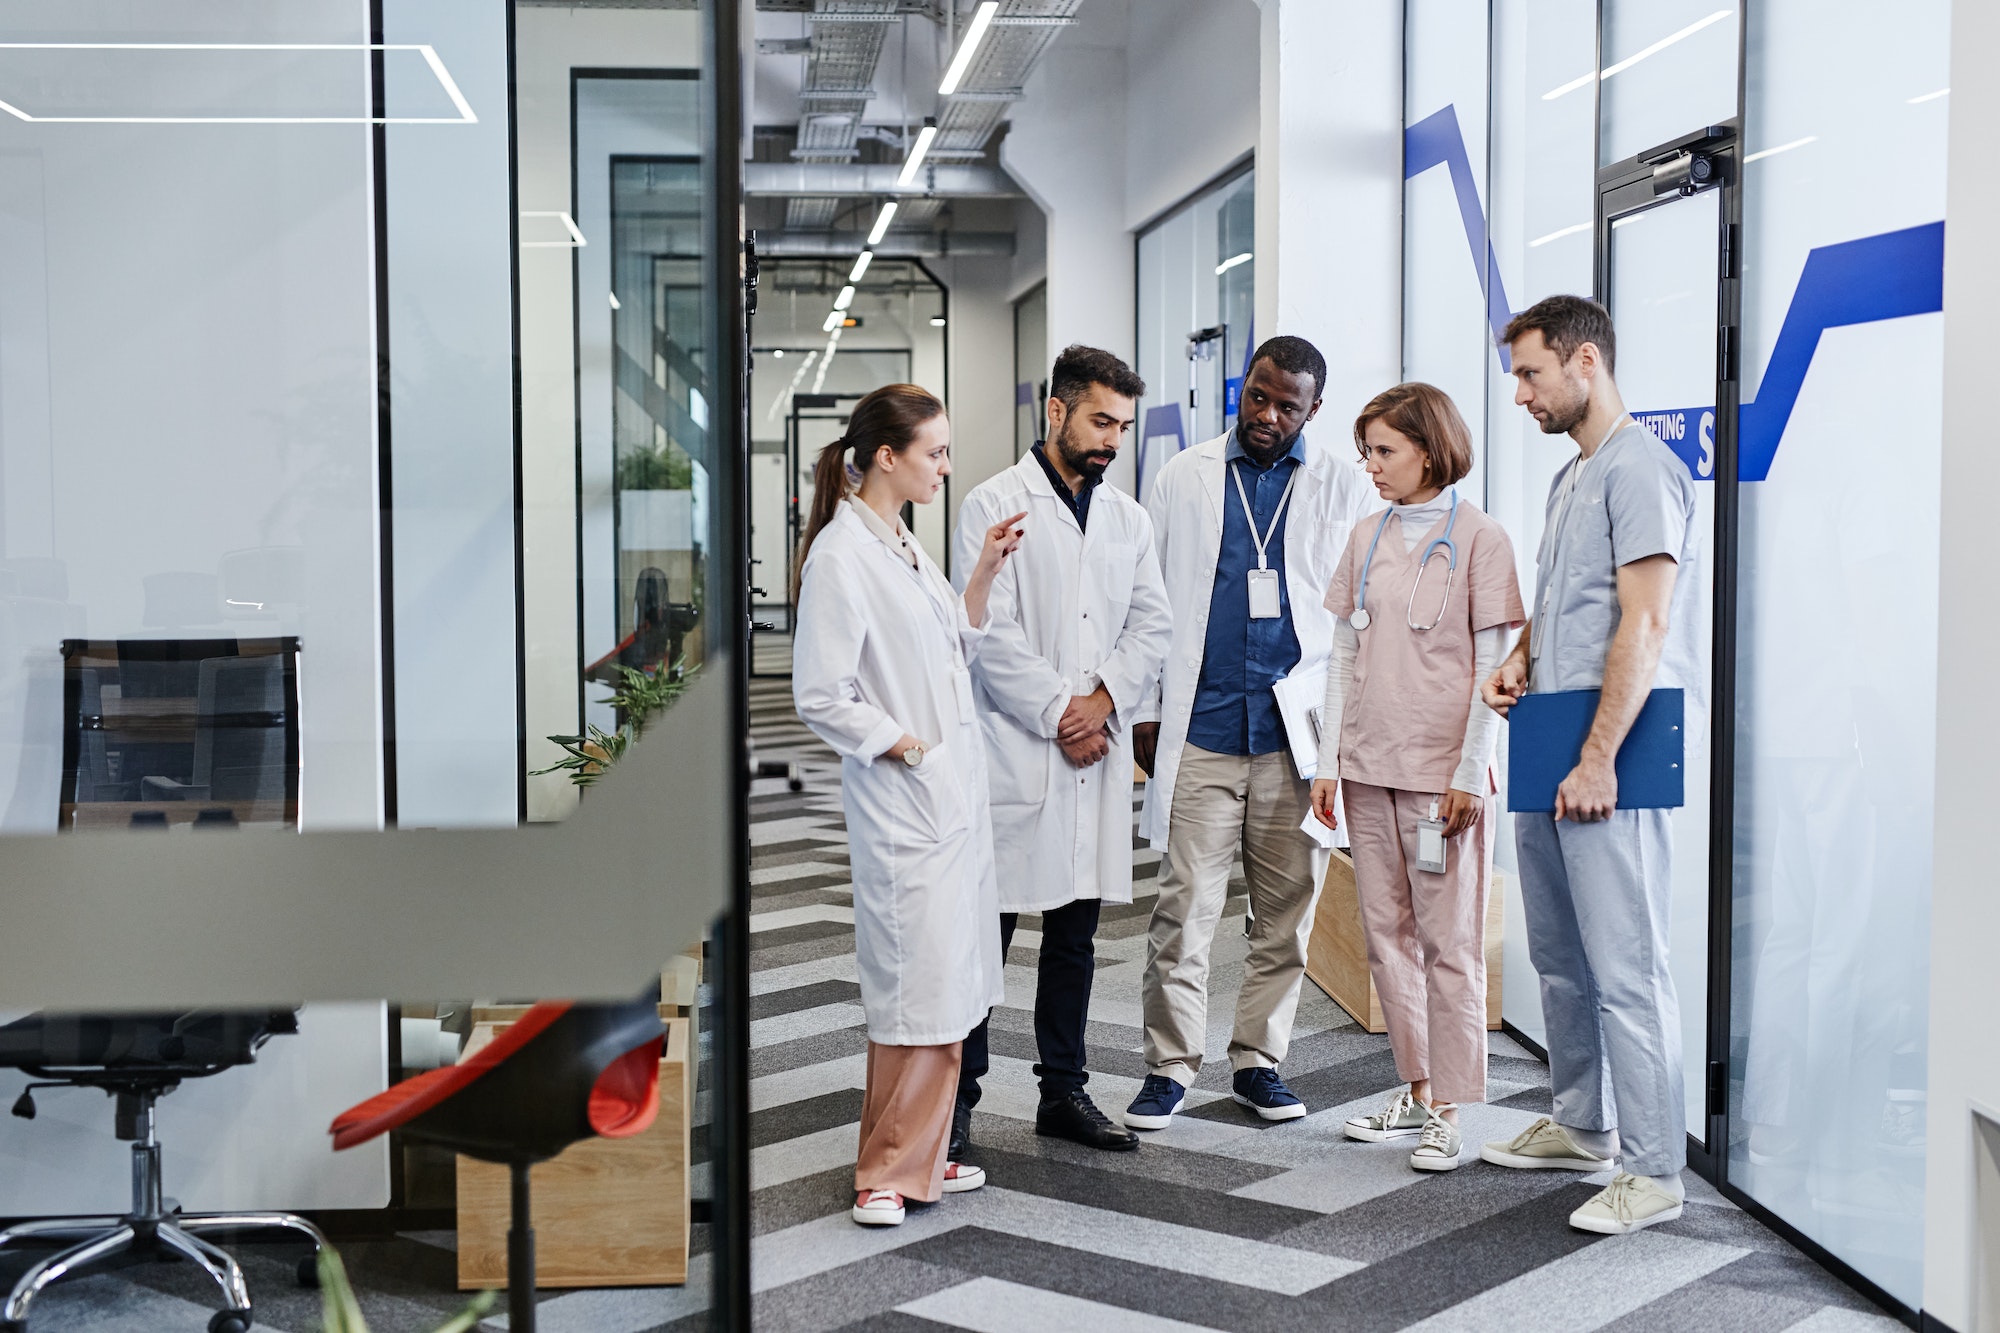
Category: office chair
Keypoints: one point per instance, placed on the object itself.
(137, 1059)
(560, 1073)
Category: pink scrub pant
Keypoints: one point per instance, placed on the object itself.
(1426, 935)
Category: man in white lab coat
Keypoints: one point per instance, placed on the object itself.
(1250, 526)
(1077, 629)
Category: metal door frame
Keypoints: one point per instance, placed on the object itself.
(1626, 189)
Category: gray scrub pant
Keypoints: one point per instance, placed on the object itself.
(1596, 898)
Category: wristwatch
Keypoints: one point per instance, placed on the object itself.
(913, 756)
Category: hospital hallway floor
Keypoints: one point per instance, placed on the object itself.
(1219, 1222)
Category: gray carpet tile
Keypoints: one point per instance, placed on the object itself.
(1422, 1211)
(1157, 1289)
(1153, 1161)
(811, 996)
(895, 1321)
(1140, 1196)
(803, 1051)
(1712, 1307)
(862, 1290)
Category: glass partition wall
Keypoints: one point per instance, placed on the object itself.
(1776, 324)
(370, 450)
(1196, 290)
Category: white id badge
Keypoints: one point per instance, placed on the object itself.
(1264, 603)
(1430, 843)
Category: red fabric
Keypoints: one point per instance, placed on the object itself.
(411, 1098)
(626, 1096)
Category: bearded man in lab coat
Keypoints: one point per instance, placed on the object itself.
(1250, 526)
(1077, 629)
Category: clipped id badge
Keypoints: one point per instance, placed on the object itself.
(1264, 604)
(1430, 842)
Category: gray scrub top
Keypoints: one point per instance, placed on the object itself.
(1633, 499)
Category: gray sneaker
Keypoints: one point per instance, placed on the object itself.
(1544, 1146)
(1438, 1149)
(1403, 1117)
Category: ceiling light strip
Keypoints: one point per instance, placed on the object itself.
(975, 32)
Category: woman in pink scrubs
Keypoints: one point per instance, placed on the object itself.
(1427, 598)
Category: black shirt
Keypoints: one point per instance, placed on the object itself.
(1078, 501)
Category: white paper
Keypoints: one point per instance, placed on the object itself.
(1318, 832)
(1301, 696)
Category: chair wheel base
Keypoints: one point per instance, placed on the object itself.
(229, 1321)
(307, 1273)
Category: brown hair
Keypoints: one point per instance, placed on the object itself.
(891, 415)
(1567, 323)
(1426, 416)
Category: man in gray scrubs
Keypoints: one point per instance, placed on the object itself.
(1614, 608)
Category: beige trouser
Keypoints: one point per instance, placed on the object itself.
(906, 1119)
(1223, 802)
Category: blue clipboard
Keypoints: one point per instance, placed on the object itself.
(1545, 736)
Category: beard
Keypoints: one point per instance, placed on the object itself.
(1086, 463)
(1261, 452)
(1565, 416)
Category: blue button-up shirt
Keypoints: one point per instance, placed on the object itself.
(1234, 709)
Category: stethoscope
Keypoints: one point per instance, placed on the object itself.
(1360, 618)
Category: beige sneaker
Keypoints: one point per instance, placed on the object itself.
(1402, 1117)
(1544, 1146)
(1628, 1203)
(1438, 1149)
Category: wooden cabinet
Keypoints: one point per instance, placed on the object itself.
(607, 1212)
(1337, 955)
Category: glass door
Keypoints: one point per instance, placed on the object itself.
(1665, 272)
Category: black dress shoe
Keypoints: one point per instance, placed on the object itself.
(1075, 1117)
(961, 1132)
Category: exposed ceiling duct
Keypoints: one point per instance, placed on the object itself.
(898, 242)
(964, 180)
(847, 42)
(1019, 35)
(810, 213)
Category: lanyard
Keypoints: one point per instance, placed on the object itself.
(1250, 519)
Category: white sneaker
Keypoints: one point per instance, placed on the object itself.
(1628, 1203)
(1544, 1146)
(1438, 1149)
(878, 1208)
(1401, 1117)
(959, 1178)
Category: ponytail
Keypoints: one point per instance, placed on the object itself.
(889, 416)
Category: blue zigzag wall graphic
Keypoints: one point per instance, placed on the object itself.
(1886, 276)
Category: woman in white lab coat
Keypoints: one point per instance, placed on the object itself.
(879, 673)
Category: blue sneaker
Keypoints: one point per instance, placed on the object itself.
(1265, 1093)
(1159, 1097)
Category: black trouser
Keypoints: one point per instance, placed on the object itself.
(1062, 1002)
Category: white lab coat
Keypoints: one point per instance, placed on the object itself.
(1332, 494)
(1071, 609)
(881, 650)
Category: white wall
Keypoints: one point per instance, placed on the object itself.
(1965, 911)
(980, 352)
(1071, 123)
(1330, 191)
(548, 43)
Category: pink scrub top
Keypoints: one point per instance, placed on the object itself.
(1402, 724)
